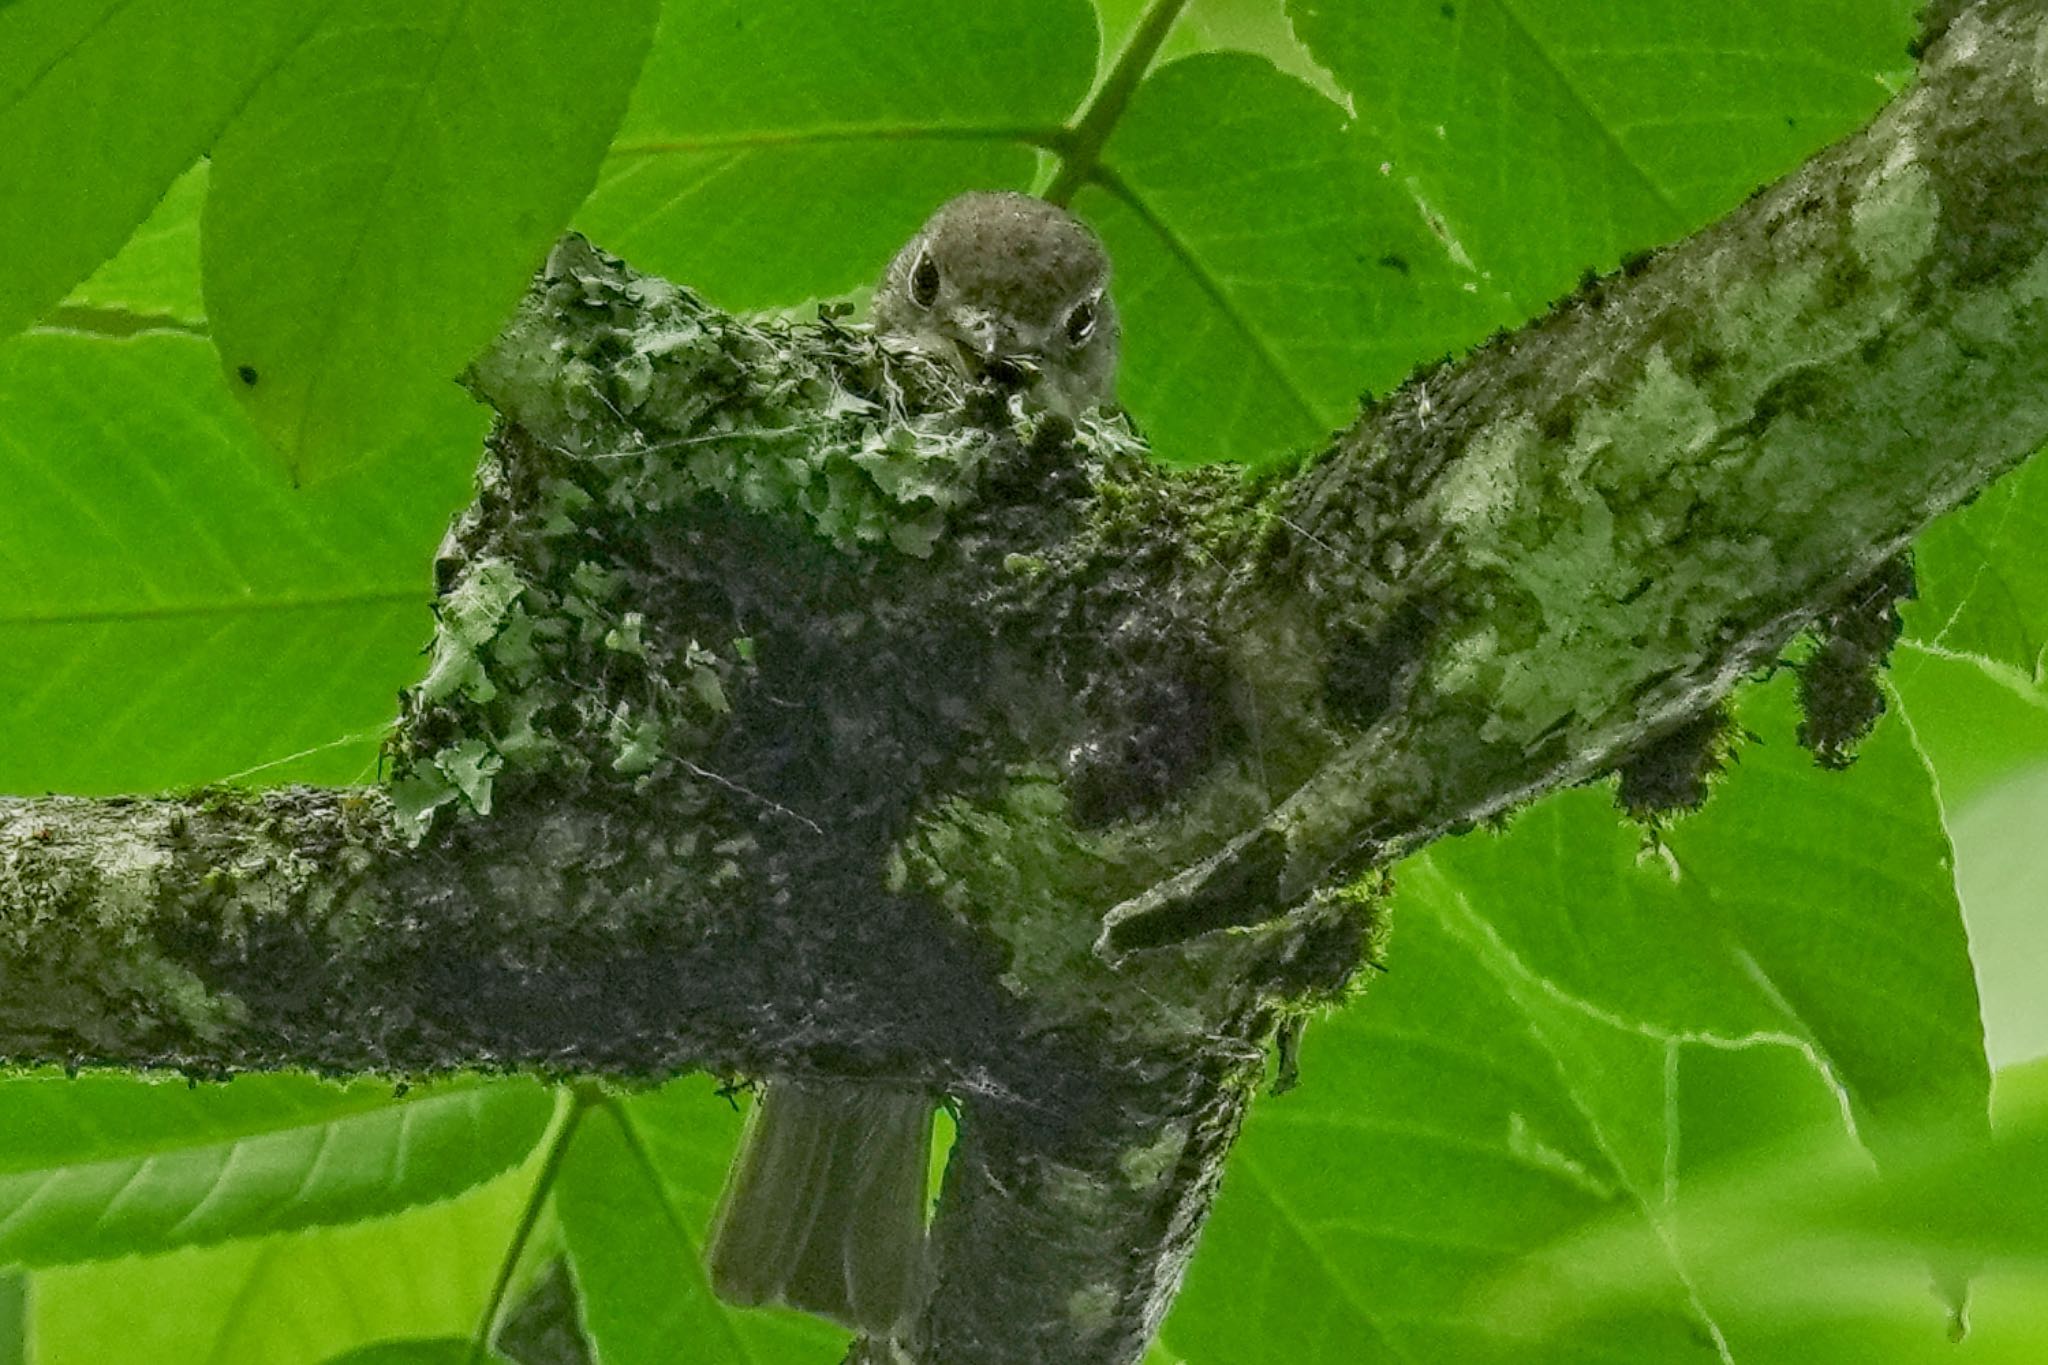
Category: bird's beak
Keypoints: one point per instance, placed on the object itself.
(982, 335)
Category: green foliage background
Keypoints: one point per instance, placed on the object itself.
(1617, 1098)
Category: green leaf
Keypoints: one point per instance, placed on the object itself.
(778, 151)
(1267, 277)
(1547, 136)
(2001, 868)
(291, 1299)
(1444, 1126)
(1804, 904)
(1572, 1027)
(421, 1351)
(1983, 583)
(1799, 1234)
(379, 206)
(1259, 27)
(79, 167)
(1972, 671)
(170, 612)
(1978, 721)
(156, 275)
(13, 1319)
(1971, 679)
(635, 1197)
(102, 1166)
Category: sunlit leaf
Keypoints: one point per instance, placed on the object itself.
(101, 1165)
(156, 275)
(80, 167)
(170, 611)
(635, 1199)
(291, 1299)
(1546, 137)
(851, 123)
(1267, 278)
(380, 204)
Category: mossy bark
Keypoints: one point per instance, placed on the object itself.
(796, 710)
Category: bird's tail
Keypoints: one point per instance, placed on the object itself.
(824, 1208)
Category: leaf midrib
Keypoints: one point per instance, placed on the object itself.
(163, 1145)
(262, 606)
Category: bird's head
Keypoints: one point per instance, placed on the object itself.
(1009, 288)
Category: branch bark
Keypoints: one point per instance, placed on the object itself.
(796, 711)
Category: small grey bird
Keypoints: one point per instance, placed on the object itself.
(824, 1207)
(1012, 288)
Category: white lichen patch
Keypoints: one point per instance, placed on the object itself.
(1479, 491)
(2001, 317)
(1758, 323)
(1896, 217)
(1580, 566)
(1461, 665)
(2041, 66)
(1145, 1167)
(1664, 413)
(1091, 1310)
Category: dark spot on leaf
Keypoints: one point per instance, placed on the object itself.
(1396, 262)
(247, 374)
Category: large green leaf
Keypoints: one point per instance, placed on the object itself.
(100, 1166)
(290, 1299)
(1547, 136)
(380, 204)
(1800, 1235)
(1458, 1117)
(1574, 1020)
(634, 1198)
(102, 104)
(170, 611)
(778, 150)
(1971, 679)
(1267, 277)
(1802, 904)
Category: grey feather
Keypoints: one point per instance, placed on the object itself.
(824, 1207)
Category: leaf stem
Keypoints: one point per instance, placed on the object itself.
(581, 1100)
(1083, 145)
(1031, 134)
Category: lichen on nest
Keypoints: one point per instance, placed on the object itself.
(635, 412)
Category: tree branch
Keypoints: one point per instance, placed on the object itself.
(796, 710)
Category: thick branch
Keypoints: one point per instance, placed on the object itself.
(1527, 565)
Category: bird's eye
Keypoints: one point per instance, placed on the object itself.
(1081, 322)
(924, 280)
